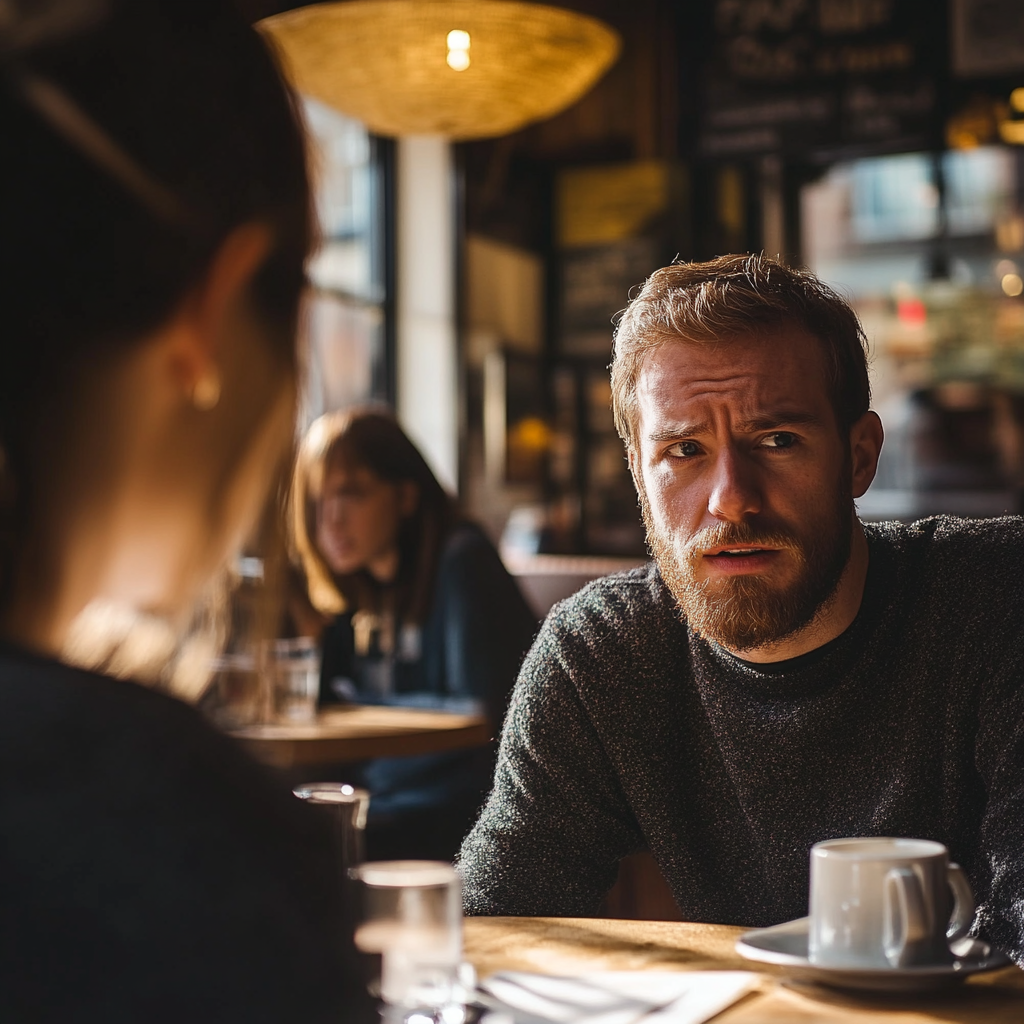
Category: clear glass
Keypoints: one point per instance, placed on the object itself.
(412, 920)
(294, 667)
(235, 698)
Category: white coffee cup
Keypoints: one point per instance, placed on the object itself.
(885, 903)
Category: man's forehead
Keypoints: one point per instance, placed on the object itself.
(758, 372)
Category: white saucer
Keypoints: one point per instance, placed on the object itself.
(786, 945)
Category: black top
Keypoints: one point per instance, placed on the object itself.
(150, 871)
(465, 658)
(626, 731)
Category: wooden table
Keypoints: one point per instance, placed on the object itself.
(569, 945)
(357, 732)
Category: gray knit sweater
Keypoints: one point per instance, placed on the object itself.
(627, 732)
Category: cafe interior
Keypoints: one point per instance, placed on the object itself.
(493, 182)
(478, 241)
(487, 210)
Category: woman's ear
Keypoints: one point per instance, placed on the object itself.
(408, 498)
(210, 304)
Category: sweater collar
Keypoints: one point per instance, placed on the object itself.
(811, 671)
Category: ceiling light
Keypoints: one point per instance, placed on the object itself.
(389, 63)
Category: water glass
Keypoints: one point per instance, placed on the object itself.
(294, 667)
(412, 919)
(235, 697)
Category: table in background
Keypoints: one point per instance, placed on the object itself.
(573, 945)
(358, 732)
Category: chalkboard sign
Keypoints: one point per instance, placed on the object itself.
(818, 78)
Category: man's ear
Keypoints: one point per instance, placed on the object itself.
(209, 306)
(866, 436)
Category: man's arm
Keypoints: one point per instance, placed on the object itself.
(1000, 757)
(556, 823)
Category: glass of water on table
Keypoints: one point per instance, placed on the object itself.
(411, 924)
(294, 667)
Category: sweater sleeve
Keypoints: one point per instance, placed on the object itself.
(556, 824)
(1000, 756)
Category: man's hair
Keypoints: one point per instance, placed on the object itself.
(731, 296)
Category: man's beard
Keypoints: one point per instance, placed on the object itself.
(748, 611)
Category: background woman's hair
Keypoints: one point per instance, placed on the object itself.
(188, 91)
(369, 438)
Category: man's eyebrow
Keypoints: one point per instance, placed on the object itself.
(781, 418)
(769, 421)
(680, 430)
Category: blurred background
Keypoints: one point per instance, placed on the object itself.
(471, 284)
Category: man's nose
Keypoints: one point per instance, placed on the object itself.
(735, 492)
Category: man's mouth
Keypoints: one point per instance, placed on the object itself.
(737, 559)
(736, 552)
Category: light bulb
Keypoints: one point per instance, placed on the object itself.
(1012, 285)
(458, 60)
(458, 39)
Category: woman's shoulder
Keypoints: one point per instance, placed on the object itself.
(468, 554)
(115, 793)
(113, 758)
(74, 730)
(467, 538)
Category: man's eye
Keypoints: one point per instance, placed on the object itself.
(684, 449)
(782, 439)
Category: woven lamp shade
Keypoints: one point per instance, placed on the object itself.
(389, 63)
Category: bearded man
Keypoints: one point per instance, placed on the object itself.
(781, 673)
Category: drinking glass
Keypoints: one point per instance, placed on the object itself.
(235, 696)
(412, 920)
(347, 806)
(295, 676)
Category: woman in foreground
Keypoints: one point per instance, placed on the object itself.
(415, 608)
(155, 218)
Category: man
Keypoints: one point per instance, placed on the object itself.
(781, 674)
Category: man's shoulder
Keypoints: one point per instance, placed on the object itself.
(962, 555)
(617, 644)
(950, 538)
(624, 604)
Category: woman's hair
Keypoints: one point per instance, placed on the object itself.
(371, 439)
(136, 138)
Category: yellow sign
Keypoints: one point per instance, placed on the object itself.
(599, 205)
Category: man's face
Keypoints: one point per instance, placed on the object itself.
(745, 482)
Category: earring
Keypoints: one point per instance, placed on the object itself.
(206, 391)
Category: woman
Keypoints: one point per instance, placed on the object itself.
(155, 215)
(416, 608)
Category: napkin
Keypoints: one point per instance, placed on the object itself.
(617, 997)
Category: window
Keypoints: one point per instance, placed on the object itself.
(347, 314)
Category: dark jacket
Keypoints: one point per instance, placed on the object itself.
(465, 658)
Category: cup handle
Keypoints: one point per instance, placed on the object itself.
(962, 918)
(906, 917)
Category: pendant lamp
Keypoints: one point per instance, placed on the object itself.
(465, 69)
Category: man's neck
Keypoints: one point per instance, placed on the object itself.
(833, 618)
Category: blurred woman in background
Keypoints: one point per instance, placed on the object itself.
(415, 608)
(156, 220)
